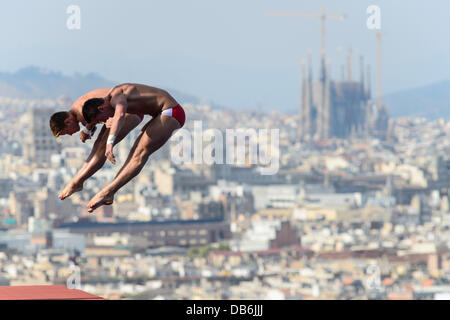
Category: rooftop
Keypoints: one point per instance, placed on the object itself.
(52, 292)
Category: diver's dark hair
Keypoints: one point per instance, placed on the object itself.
(57, 122)
(90, 108)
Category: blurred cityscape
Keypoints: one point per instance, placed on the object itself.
(358, 209)
(360, 217)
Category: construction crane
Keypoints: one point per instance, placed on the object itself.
(379, 87)
(324, 66)
(323, 16)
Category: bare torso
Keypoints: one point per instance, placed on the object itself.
(142, 99)
(77, 106)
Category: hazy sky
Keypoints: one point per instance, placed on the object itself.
(227, 51)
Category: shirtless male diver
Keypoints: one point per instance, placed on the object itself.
(167, 116)
(69, 122)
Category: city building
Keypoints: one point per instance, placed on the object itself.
(159, 233)
(39, 143)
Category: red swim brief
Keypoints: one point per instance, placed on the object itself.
(176, 112)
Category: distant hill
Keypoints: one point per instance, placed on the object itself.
(33, 82)
(36, 83)
(430, 101)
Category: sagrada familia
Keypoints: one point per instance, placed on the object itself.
(341, 109)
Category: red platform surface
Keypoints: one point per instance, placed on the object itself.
(44, 293)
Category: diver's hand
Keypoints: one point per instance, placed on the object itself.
(109, 122)
(84, 136)
(109, 153)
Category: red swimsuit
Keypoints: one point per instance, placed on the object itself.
(176, 112)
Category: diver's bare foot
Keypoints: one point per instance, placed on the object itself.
(69, 189)
(101, 198)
